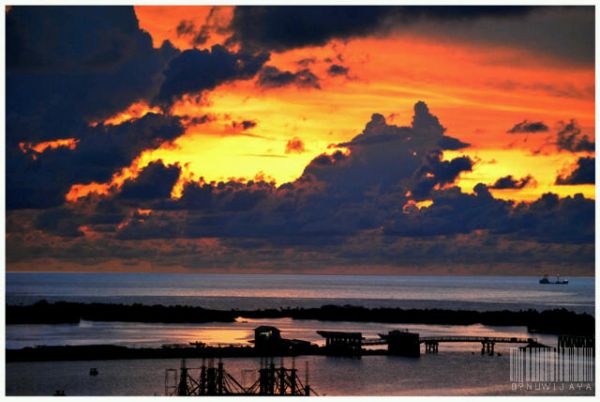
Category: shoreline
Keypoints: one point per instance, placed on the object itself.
(118, 352)
(556, 321)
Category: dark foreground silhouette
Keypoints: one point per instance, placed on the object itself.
(43, 312)
(115, 352)
(557, 321)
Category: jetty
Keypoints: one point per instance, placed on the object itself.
(405, 343)
(269, 342)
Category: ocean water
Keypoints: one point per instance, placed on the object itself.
(446, 373)
(240, 333)
(251, 291)
(459, 369)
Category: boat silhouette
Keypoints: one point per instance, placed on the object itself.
(558, 281)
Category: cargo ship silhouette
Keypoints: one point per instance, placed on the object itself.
(558, 281)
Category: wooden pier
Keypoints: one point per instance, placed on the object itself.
(405, 343)
(487, 343)
(342, 343)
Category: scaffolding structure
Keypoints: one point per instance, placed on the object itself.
(211, 380)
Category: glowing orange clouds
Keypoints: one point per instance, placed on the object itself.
(134, 111)
(78, 191)
(492, 164)
(478, 92)
(162, 22)
(82, 190)
(70, 143)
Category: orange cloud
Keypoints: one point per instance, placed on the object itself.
(162, 22)
(78, 191)
(295, 145)
(495, 163)
(479, 94)
(135, 111)
(70, 143)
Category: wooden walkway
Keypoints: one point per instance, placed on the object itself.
(463, 339)
(478, 339)
(404, 342)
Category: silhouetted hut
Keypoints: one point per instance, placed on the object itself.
(267, 339)
(403, 343)
(342, 343)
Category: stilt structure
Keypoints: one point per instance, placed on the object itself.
(216, 381)
(431, 347)
(487, 347)
(342, 343)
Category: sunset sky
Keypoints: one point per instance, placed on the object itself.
(301, 139)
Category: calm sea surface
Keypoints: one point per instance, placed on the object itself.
(458, 369)
(447, 373)
(224, 291)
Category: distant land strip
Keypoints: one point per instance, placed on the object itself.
(556, 321)
(117, 352)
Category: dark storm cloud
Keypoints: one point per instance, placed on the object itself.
(283, 28)
(67, 66)
(528, 127)
(336, 69)
(340, 195)
(548, 219)
(196, 70)
(272, 77)
(437, 172)
(224, 196)
(451, 143)
(144, 227)
(584, 173)
(452, 212)
(41, 180)
(107, 214)
(553, 219)
(353, 204)
(570, 138)
(386, 156)
(155, 181)
(564, 32)
(509, 182)
(59, 221)
(337, 195)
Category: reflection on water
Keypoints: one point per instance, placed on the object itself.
(447, 373)
(239, 332)
(458, 369)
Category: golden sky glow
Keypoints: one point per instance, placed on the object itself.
(301, 139)
(477, 92)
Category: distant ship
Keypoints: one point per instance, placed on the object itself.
(558, 281)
